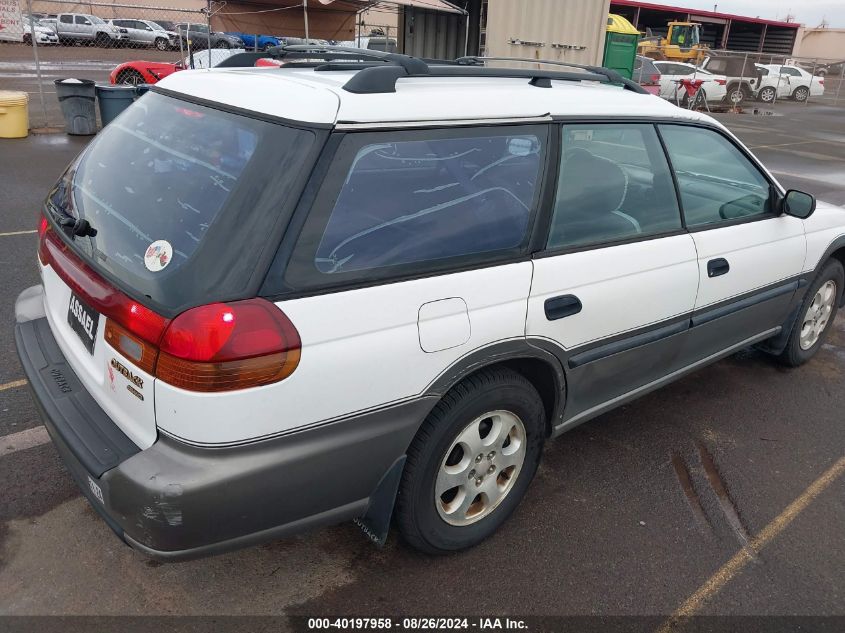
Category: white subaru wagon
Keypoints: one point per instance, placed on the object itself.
(370, 289)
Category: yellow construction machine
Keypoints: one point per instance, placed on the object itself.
(681, 44)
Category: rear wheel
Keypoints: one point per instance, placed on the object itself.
(471, 462)
(27, 39)
(737, 93)
(130, 78)
(222, 44)
(801, 93)
(161, 43)
(767, 95)
(821, 303)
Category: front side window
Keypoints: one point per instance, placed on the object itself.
(717, 182)
(412, 200)
(614, 184)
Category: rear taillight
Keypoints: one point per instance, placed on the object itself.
(721, 82)
(43, 227)
(226, 346)
(216, 347)
(821, 82)
(655, 79)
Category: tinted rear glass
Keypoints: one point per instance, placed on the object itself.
(191, 176)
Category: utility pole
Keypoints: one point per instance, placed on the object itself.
(305, 11)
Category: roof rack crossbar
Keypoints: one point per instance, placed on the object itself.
(612, 75)
(378, 71)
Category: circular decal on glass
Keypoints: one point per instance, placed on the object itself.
(158, 255)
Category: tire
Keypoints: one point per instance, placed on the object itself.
(767, 95)
(699, 101)
(102, 40)
(161, 43)
(503, 403)
(222, 44)
(268, 46)
(801, 93)
(820, 308)
(737, 94)
(27, 39)
(130, 77)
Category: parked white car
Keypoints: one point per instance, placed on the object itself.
(329, 294)
(799, 83)
(21, 31)
(672, 74)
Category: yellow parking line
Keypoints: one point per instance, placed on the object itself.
(17, 233)
(730, 569)
(12, 385)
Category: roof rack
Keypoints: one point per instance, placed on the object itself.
(378, 71)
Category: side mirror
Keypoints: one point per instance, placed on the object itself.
(798, 204)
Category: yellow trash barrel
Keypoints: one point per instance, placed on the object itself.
(14, 114)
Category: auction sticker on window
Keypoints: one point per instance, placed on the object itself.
(158, 255)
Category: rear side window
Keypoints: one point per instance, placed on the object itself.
(614, 184)
(419, 200)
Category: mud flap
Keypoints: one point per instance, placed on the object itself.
(376, 520)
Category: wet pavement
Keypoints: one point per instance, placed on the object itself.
(630, 514)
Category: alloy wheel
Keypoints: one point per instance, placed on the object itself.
(818, 315)
(480, 467)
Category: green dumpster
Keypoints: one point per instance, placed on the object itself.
(620, 45)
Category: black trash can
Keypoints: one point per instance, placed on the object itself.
(76, 97)
(113, 100)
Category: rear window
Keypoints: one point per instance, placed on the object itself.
(187, 181)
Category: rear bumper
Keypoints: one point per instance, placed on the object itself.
(178, 501)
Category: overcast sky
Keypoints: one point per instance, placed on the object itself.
(810, 12)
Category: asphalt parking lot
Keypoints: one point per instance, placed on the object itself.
(718, 495)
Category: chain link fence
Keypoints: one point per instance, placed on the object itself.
(136, 42)
(739, 78)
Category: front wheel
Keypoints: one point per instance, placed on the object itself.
(818, 310)
(222, 44)
(162, 44)
(471, 462)
(102, 40)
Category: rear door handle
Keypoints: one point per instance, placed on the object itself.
(563, 306)
(716, 267)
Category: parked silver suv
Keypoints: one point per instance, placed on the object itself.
(82, 27)
(147, 33)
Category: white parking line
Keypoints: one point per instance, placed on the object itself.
(10, 233)
(12, 385)
(23, 440)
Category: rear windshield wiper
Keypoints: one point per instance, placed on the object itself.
(76, 227)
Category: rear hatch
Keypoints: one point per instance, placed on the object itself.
(173, 205)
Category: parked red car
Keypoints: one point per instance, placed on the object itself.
(142, 72)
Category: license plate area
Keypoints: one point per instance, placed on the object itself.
(84, 320)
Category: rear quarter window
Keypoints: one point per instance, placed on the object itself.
(417, 201)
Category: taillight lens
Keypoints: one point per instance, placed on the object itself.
(215, 347)
(721, 82)
(43, 227)
(225, 346)
(655, 79)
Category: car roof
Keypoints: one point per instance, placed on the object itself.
(318, 97)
